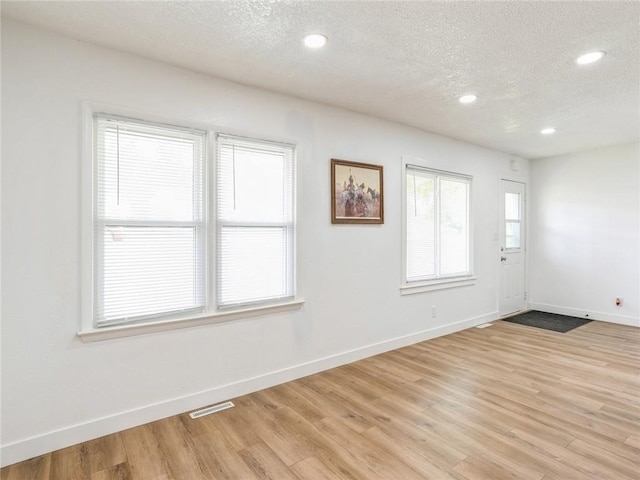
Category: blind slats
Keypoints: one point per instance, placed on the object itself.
(255, 215)
(437, 224)
(150, 222)
(149, 231)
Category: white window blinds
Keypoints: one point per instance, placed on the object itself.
(255, 221)
(149, 220)
(437, 224)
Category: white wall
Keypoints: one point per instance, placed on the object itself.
(585, 234)
(58, 391)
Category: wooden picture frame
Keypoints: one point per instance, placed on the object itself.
(356, 192)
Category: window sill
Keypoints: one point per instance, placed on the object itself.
(411, 289)
(120, 331)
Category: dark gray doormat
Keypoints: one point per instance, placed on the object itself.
(548, 321)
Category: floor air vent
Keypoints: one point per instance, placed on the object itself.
(210, 410)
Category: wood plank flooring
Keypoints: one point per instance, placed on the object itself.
(504, 402)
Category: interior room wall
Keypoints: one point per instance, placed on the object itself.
(58, 391)
(585, 234)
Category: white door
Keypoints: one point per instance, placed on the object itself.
(512, 248)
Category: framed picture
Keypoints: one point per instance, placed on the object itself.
(356, 192)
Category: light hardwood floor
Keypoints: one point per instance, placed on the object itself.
(504, 402)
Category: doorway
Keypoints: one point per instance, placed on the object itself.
(512, 247)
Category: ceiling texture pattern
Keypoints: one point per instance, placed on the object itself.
(405, 61)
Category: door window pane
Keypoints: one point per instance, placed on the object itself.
(512, 234)
(512, 206)
(512, 215)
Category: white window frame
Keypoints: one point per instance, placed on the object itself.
(288, 225)
(89, 331)
(442, 282)
(199, 226)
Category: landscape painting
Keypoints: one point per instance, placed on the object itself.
(356, 192)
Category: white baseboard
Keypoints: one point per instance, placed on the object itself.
(74, 434)
(576, 312)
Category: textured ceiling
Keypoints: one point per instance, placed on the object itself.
(404, 61)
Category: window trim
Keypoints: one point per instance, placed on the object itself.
(440, 283)
(200, 226)
(88, 330)
(217, 225)
(95, 334)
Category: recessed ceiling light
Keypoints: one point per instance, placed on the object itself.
(468, 98)
(589, 57)
(548, 131)
(315, 40)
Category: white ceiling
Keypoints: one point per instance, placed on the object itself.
(404, 61)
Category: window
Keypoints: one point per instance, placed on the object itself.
(512, 218)
(255, 212)
(149, 230)
(436, 225)
(167, 245)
